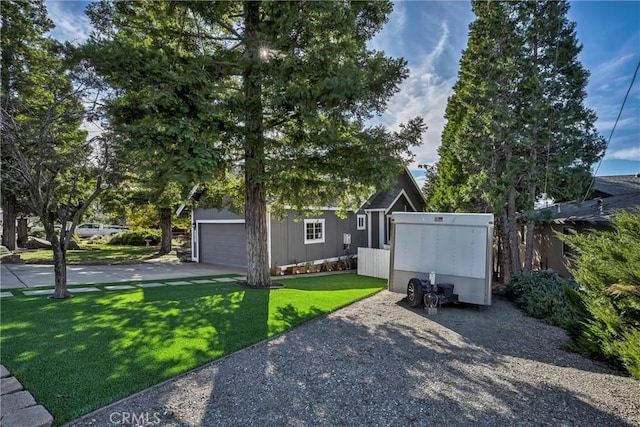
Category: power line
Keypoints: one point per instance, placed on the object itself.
(612, 130)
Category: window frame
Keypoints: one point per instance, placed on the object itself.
(314, 239)
(363, 218)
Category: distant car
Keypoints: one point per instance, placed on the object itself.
(89, 229)
(39, 228)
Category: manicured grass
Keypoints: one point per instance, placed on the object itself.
(95, 254)
(80, 354)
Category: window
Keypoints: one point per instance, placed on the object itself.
(567, 251)
(313, 231)
(362, 222)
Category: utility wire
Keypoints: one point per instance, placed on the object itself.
(612, 130)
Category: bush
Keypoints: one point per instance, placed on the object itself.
(136, 237)
(98, 239)
(607, 266)
(544, 296)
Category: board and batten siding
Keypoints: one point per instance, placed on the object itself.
(373, 262)
(375, 229)
(288, 238)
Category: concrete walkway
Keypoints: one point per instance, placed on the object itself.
(19, 276)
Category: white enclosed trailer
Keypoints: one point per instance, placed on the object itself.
(457, 247)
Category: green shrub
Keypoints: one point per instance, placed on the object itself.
(136, 237)
(607, 266)
(543, 295)
(98, 239)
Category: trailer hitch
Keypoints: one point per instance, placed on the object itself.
(431, 295)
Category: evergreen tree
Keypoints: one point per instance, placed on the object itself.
(516, 123)
(23, 26)
(280, 89)
(45, 156)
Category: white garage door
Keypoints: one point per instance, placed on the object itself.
(223, 244)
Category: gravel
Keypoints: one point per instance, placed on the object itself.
(380, 363)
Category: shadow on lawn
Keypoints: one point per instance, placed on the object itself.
(397, 370)
(80, 354)
(338, 282)
(127, 341)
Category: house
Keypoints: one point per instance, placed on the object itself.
(219, 237)
(610, 193)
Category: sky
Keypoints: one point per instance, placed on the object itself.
(431, 36)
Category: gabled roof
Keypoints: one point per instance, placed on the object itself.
(617, 185)
(383, 200)
(610, 193)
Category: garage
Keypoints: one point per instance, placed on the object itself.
(222, 243)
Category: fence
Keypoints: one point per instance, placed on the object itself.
(373, 262)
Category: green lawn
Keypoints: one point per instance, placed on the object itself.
(80, 354)
(95, 254)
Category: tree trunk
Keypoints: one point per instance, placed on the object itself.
(59, 265)
(254, 156)
(528, 248)
(498, 266)
(504, 249)
(512, 233)
(9, 221)
(165, 227)
(23, 233)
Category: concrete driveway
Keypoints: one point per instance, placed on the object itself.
(16, 276)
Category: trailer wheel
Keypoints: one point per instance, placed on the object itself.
(414, 293)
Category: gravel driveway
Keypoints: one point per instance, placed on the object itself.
(380, 363)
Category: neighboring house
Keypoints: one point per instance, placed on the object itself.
(219, 237)
(620, 192)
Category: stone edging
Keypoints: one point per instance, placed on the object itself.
(17, 406)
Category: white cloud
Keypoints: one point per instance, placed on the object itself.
(72, 24)
(431, 35)
(424, 93)
(631, 153)
(421, 178)
(387, 39)
(626, 123)
(603, 72)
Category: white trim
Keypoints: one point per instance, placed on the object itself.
(402, 192)
(360, 217)
(424, 198)
(314, 221)
(369, 227)
(381, 233)
(194, 238)
(194, 241)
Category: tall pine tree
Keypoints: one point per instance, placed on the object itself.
(516, 123)
(282, 90)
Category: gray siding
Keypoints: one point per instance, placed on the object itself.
(287, 239)
(413, 193)
(375, 229)
(401, 205)
(549, 250)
